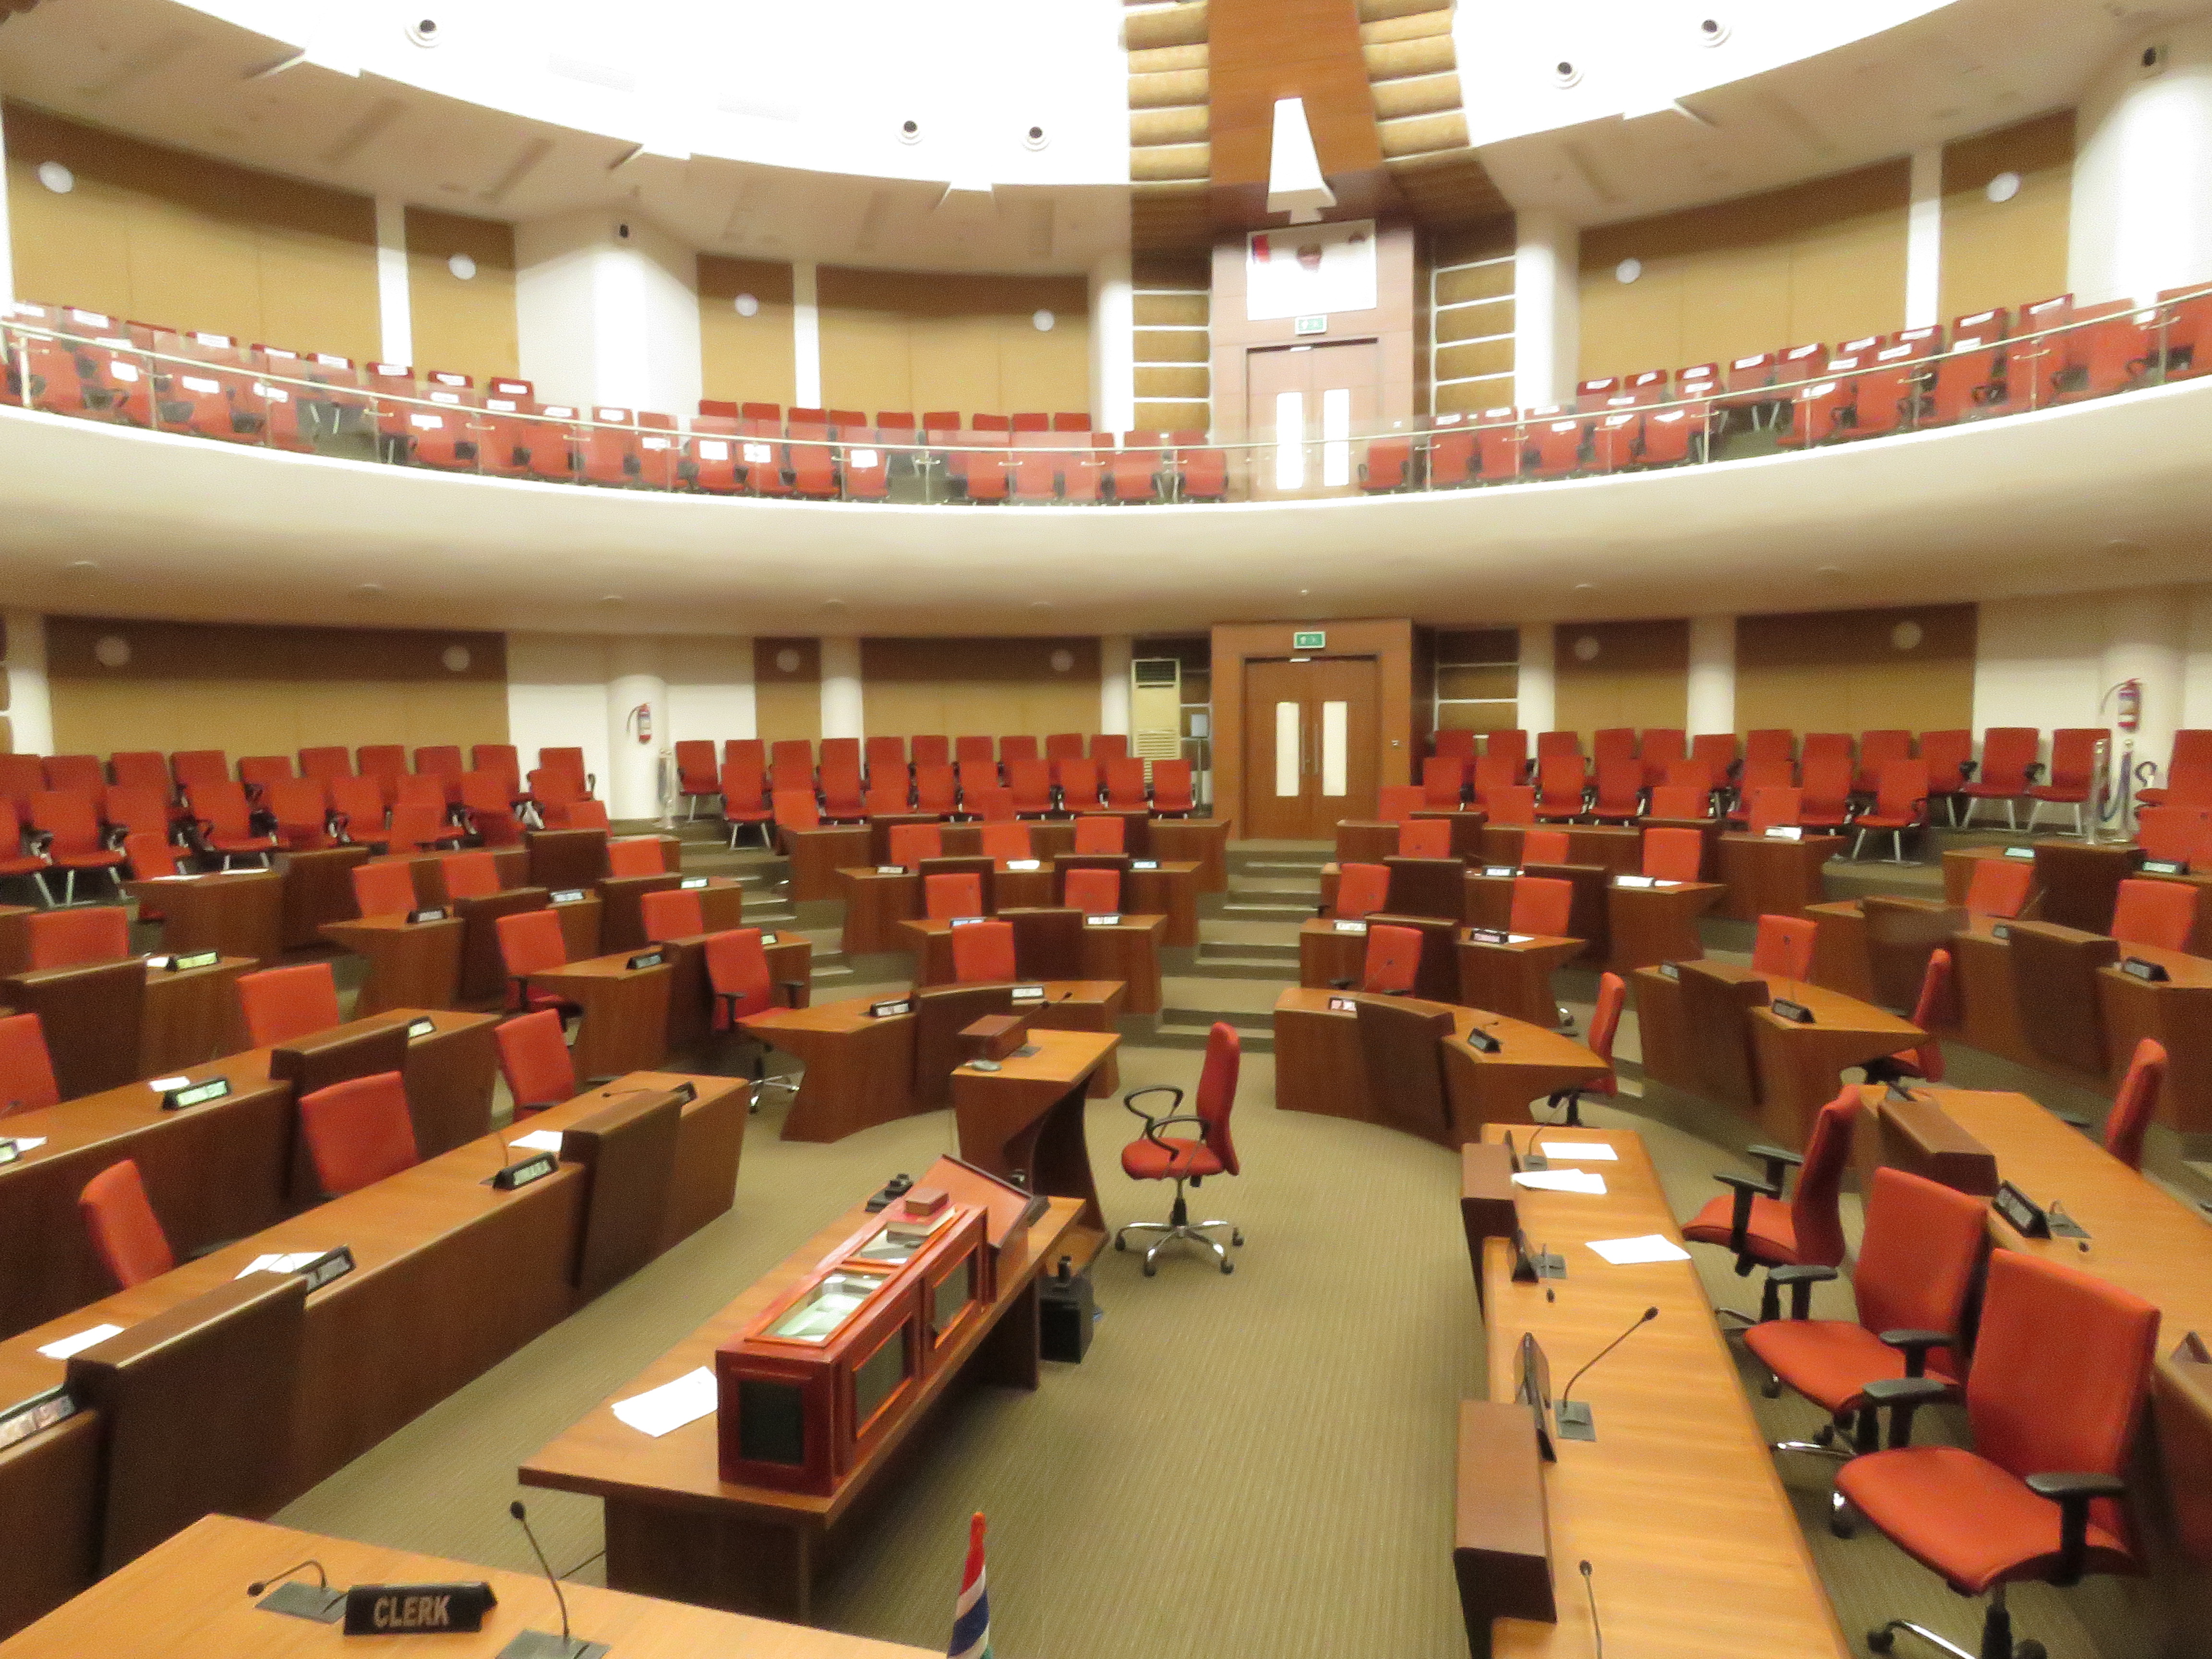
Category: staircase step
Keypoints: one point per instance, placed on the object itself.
(1285, 910)
(1228, 950)
(1188, 1028)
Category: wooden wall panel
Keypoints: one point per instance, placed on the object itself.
(994, 686)
(1259, 50)
(160, 235)
(2006, 253)
(1823, 260)
(1390, 642)
(746, 359)
(465, 325)
(1629, 673)
(917, 341)
(788, 700)
(257, 690)
(1856, 670)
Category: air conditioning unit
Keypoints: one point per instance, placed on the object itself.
(1156, 708)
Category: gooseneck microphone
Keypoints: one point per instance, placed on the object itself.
(322, 1579)
(1575, 1422)
(533, 1644)
(1597, 1631)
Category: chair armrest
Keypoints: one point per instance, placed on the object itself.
(1746, 1187)
(2072, 1493)
(1799, 1277)
(1153, 1125)
(1915, 1346)
(1744, 1183)
(1344, 985)
(1776, 1159)
(1903, 1395)
(2034, 772)
(796, 992)
(1129, 1099)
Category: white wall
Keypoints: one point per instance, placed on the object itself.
(2141, 216)
(710, 689)
(557, 696)
(606, 318)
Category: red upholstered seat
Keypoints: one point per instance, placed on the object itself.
(671, 913)
(1544, 847)
(1966, 1518)
(2160, 913)
(955, 893)
(910, 843)
(383, 888)
(1168, 1158)
(27, 1071)
(1782, 946)
(1425, 838)
(280, 1004)
(530, 942)
(1393, 962)
(80, 937)
(1101, 832)
(1764, 1230)
(358, 1132)
(1671, 854)
(635, 855)
(983, 953)
(2136, 1098)
(470, 875)
(1094, 892)
(1541, 904)
(125, 1233)
(1999, 887)
(1159, 1155)
(534, 1059)
(1361, 890)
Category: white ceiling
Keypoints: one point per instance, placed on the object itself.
(104, 521)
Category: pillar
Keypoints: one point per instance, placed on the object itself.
(2197, 700)
(30, 702)
(6, 244)
(1924, 241)
(842, 711)
(1114, 652)
(1712, 675)
(1112, 343)
(606, 311)
(1546, 308)
(635, 681)
(805, 337)
(1533, 690)
(2146, 639)
(2141, 213)
(395, 309)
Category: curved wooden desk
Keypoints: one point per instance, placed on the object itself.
(1128, 950)
(1652, 924)
(1772, 876)
(1025, 1121)
(410, 964)
(239, 913)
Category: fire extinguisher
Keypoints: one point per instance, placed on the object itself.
(641, 722)
(2129, 705)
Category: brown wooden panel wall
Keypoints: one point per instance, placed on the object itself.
(996, 686)
(788, 700)
(1630, 673)
(1856, 670)
(746, 359)
(917, 341)
(2006, 253)
(465, 325)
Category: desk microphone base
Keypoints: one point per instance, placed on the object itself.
(1573, 1421)
(544, 1644)
(305, 1601)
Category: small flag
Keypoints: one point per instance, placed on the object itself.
(971, 1619)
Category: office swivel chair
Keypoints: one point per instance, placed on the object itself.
(2133, 1104)
(469, 875)
(1094, 892)
(671, 913)
(634, 855)
(534, 1059)
(78, 939)
(383, 890)
(738, 975)
(1605, 1024)
(125, 1233)
(280, 1004)
(983, 953)
(27, 1071)
(1361, 890)
(358, 1132)
(955, 893)
(1763, 1230)
(910, 843)
(1931, 1009)
(2062, 1363)
(1425, 838)
(1100, 833)
(1155, 1157)
(2000, 887)
(1783, 947)
(530, 942)
(1393, 963)
(2159, 914)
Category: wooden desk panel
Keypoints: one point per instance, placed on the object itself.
(1128, 950)
(1652, 924)
(410, 964)
(1767, 877)
(2178, 1013)
(1676, 1438)
(579, 927)
(691, 994)
(1877, 949)
(318, 889)
(1023, 1122)
(1365, 841)
(858, 1069)
(2081, 881)
(674, 1528)
(566, 858)
(817, 856)
(1327, 956)
(240, 914)
(448, 1075)
(1490, 902)
(621, 908)
(875, 904)
(625, 1025)
(484, 971)
(1171, 891)
(1515, 979)
(1201, 842)
(15, 938)
(1800, 1067)
(190, 1015)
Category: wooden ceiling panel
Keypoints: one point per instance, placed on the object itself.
(1264, 49)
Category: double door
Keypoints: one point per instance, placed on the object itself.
(1310, 745)
(1308, 410)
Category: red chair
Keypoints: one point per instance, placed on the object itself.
(324, 764)
(440, 762)
(138, 769)
(743, 790)
(2009, 755)
(959, 893)
(1063, 746)
(1825, 796)
(148, 858)
(1604, 1026)
(1542, 905)
(1125, 787)
(1078, 785)
(1031, 782)
(1681, 800)
(1619, 795)
(992, 803)
(887, 800)
(910, 843)
(886, 756)
(2062, 1362)
(983, 953)
(1508, 744)
(1513, 806)
(1172, 783)
(226, 825)
(469, 875)
(384, 888)
(1544, 847)
(1393, 963)
(1950, 757)
(257, 772)
(530, 942)
(1094, 892)
(2072, 772)
(1674, 855)
(1020, 747)
(1900, 804)
(1101, 832)
(1783, 947)
(14, 860)
(697, 778)
(358, 1132)
(78, 938)
(738, 975)
(2180, 836)
(796, 809)
(1006, 843)
(1361, 890)
(72, 838)
(385, 762)
(1396, 802)
(2188, 772)
(80, 774)
(1658, 747)
(972, 751)
(1876, 751)
(1932, 1009)
(417, 829)
(1999, 887)
(635, 855)
(1772, 806)
(2161, 914)
(1717, 751)
(1763, 1230)
(844, 798)
(1110, 745)
(534, 1058)
(1444, 781)
(1425, 838)
(486, 810)
(26, 1070)
(1561, 788)
(280, 1003)
(1155, 1157)
(1493, 773)
(302, 812)
(125, 1233)
(936, 790)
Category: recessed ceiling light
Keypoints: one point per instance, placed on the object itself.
(611, 598)
(370, 591)
(80, 568)
(1585, 588)
(1830, 571)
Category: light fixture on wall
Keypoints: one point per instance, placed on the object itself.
(1041, 321)
(1035, 138)
(463, 267)
(56, 177)
(1711, 31)
(111, 651)
(746, 305)
(909, 132)
(1628, 270)
(786, 661)
(2002, 188)
(1907, 635)
(1587, 647)
(456, 658)
(424, 32)
(1566, 73)
(1062, 660)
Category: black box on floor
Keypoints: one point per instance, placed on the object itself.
(1066, 1311)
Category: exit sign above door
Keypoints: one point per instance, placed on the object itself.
(1316, 641)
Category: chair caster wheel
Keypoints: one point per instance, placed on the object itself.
(1825, 1434)
(1236, 1237)
(1152, 1269)
(2030, 1649)
(1120, 1242)
(1771, 1388)
(1844, 1528)
(1228, 1267)
(1881, 1640)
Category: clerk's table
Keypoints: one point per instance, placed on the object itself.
(1023, 1122)
(1124, 947)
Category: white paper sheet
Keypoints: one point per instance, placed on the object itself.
(671, 1406)
(1630, 1252)
(288, 1262)
(80, 1341)
(1562, 1180)
(1590, 1152)
(537, 1140)
(26, 1143)
(161, 1085)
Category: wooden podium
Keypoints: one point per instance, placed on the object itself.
(1655, 924)
(1024, 1123)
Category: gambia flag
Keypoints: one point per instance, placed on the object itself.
(971, 1619)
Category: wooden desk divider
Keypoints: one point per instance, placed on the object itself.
(1048, 944)
(92, 1017)
(193, 1402)
(1401, 1045)
(2081, 881)
(2181, 1407)
(566, 858)
(339, 1054)
(1437, 978)
(994, 1037)
(1919, 1137)
(1486, 1206)
(1501, 1533)
(318, 888)
(1427, 887)
(1901, 934)
(484, 973)
(621, 908)
(2054, 987)
(630, 1148)
(1716, 997)
(14, 938)
(941, 1014)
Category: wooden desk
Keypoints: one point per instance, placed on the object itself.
(318, 889)
(817, 856)
(1616, 848)
(1515, 979)
(1365, 841)
(1767, 876)
(2076, 883)
(188, 1015)
(1327, 953)
(427, 871)
(691, 994)
(1024, 1123)
(184, 1600)
(15, 938)
(1203, 843)
(93, 1017)
(1466, 828)
(624, 1024)
(2179, 1014)
(675, 1528)
(410, 964)
(876, 902)
(240, 914)
(1676, 1439)
(579, 925)
(1877, 949)
(1652, 924)
(1171, 889)
(1490, 902)
(1319, 1065)
(566, 858)
(621, 906)
(1128, 950)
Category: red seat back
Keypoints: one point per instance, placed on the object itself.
(534, 1058)
(530, 942)
(671, 913)
(2161, 914)
(738, 970)
(358, 1132)
(1816, 1218)
(280, 1004)
(983, 953)
(1361, 890)
(1674, 855)
(2007, 753)
(2135, 1103)
(958, 893)
(910, 843)
(1094, 892)
(26, 1070)
(635, 855)
(79, 936)
(1003, 843)
(1999, 887)
(1393, 964)
(1425, 838)
(1542, 904)
(383, 888)
(1923, 1249)
(1783, 947)
(1101, 832)
(125, 1233)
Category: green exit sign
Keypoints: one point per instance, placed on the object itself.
(1316, 641)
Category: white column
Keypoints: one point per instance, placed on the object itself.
(1113, 650)
(1546, 308)
(606, 311)
(842, 712)
(805, 339)
(395, 307)
(2140, 215)
(30, 701)
(1712, 675)
(1112, 343)
(2196, 696)
(634, 682)
(2146, 639)
(7, 243)
(1924, 241)
(1533, 691)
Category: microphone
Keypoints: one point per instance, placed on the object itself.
(1574, 1417)
(317, 1601)
(537, 1645)
(1597, 1631)
(322, 1579)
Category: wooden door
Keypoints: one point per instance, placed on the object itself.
(1310, 745)
(1309, 410)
